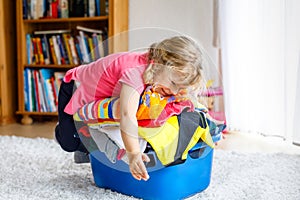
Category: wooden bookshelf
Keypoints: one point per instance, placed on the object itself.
(115, 23)
(8, 80)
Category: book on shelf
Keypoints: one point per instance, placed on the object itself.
(39, 48)
(72, 45)
(49, 46)
(91, 48)
(26, 90)
(56, 50)
(90, 30)
(41, 89)
(63, 53)
(34, 9)
(46, 77)
(45, 32)
(75, 8)
(96, 46)
(101, 46)
(29, 47)
(101, 7)
(53, 9)
(30, 91)
(36, 57)
(46, 50)
(41, 93)
(83, 43)
(61, 47)
(25, 9)
(38, 9)
(91, 8)
(92, 42)
(66, 38)
(55, 91)
(36, 91)
(78, 49)
(52, 52)
(63, 8)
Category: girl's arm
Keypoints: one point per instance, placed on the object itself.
(129, 101)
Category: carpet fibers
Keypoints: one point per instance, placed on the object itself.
(38, 169)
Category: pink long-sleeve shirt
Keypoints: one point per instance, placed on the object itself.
(104, 78)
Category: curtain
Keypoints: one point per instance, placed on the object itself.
(296, 131)
(260, 52)
(292, 75)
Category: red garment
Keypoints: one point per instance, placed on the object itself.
(173, 108)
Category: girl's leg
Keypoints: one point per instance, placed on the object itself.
(65, 131)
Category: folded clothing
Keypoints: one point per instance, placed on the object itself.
(153, 110)
(109, 141)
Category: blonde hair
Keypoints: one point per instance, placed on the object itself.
(179, 54)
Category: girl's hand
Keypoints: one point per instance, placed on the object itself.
(137, 166)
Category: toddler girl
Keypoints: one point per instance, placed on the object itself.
(172, 66)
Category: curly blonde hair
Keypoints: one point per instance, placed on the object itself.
(179, 54)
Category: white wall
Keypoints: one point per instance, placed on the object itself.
(152, 20)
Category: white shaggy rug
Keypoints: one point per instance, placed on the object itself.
(38, 169)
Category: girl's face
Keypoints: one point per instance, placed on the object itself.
(165, 83)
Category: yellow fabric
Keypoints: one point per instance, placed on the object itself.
(76, 117)
(164, 140)
(202, 133)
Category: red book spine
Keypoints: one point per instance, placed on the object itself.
(54, 9)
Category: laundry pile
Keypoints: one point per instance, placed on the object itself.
(171, 126)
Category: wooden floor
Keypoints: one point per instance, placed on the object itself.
(38, 129)
(235, 141)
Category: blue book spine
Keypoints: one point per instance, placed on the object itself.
(79, 52)
(86, 45)
(25, 9)
(97, 2)
(95, 43)
(46, 75)
(47, 50)
(26, 92)
(62, 50)
(29, 89)
(29, 48)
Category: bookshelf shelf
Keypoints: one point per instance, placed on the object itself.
(37, 113)
(66, 20)
(36, 58)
